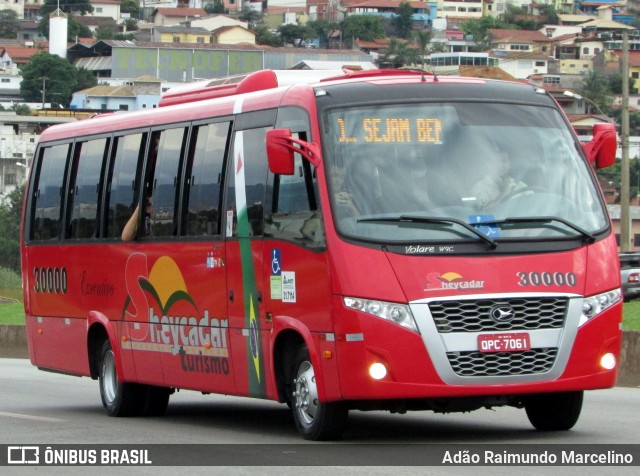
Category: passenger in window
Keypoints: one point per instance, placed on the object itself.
(130, 229)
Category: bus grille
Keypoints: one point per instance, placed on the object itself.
(475, 315)
(476, 364)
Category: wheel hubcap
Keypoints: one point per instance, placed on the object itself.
(305, 395)
(109, 377)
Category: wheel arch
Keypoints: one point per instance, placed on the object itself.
(100, 328)
(290, 335)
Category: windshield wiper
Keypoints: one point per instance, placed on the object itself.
(433, 220)
(512, 220)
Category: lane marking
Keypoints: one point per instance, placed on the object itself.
(29, 417)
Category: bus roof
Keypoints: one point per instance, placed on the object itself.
(193, 101)
(232, 85)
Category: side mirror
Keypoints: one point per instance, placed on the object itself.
(281, 146)
(601, 149)
(280, 156)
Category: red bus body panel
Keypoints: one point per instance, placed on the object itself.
(175, 321)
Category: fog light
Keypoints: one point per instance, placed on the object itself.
(608, 361)
(378, 371)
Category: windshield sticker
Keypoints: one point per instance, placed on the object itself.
(288, 286)
(485, 225)
(450, 280)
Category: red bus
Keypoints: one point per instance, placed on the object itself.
(377, 240)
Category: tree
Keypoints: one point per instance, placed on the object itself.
(9, 24)
(511, 16)
(399, 53)
(251, 16)
(21, 109)
(10, 213)
(294, 34)
(106, 31)
(131, 24)
(60, 80)
(595, 87)
(74, 29)
(217, 7)
(549, 14)
(86, 80)
(323, 30)
(266, 37)
(422, 39)
(402, 22)
(479, 27)
(615, 84)
(362, 27)
(132, 7)
(68, 6)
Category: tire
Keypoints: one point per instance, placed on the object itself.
(554, 411)
(118, 399)
(314, 419)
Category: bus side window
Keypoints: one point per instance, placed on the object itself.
(294, 213)
(85, 189)
(164, 182)
(204, 179)
(46, 217)
(255, 168)
(124, 180)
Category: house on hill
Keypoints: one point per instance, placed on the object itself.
(17, 55)
(93, 22)
(175, 16)
(522, 53)
(141, 93)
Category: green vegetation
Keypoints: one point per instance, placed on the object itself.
(631, 316)
(11, 281)
(11, 308)
(12, 314)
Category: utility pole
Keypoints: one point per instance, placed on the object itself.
(625, 221)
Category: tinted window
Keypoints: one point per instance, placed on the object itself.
(122, 197)
(293, 205)
(48, 193)
(203, 209)
(250, 156)
(165, 182)
(85, 193)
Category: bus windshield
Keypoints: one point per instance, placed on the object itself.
(420, 172)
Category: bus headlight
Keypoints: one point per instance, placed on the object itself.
(397, 313)
(594, 305)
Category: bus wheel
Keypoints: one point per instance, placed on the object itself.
(314, 419)
(554, 411)
(118, 398)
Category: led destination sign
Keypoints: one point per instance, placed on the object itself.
(371, 129)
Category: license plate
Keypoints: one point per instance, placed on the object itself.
(516, 342)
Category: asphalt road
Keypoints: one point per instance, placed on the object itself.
(49, 409)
